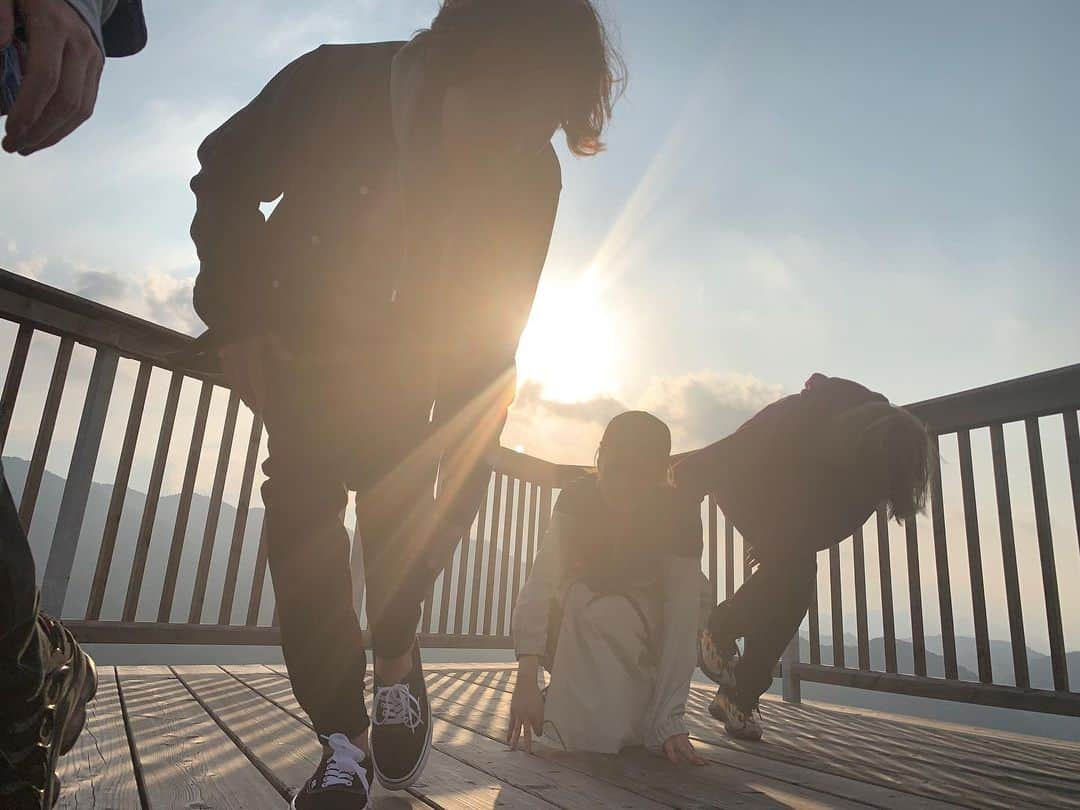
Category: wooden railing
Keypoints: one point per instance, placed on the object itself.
(471, 601)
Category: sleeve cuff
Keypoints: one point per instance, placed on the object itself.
(670, 727)
(90, 11)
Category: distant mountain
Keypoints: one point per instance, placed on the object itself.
(44, 524)
(1040, 667)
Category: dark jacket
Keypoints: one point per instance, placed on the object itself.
(779, 479)
(373, 246)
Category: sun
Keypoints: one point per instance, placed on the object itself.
(569, 346)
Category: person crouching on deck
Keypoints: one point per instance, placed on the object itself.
(797, 478)
(612, 605)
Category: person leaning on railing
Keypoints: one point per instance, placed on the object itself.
(797, 478)
(612, 605)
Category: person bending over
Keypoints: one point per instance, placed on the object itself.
(372, 321)
(612, 605)
(797, 478)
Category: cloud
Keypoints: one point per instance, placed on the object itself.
(700, 408)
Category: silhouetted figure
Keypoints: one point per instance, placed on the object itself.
(612, 605)
(46, 679)
(797, 478)
(372, 322)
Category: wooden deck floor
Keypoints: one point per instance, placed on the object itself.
(223, 738)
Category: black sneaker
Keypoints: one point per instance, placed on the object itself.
(38, 730)
(341, 782)
(401, 728)
(736, 715)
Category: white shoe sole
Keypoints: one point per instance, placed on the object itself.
(410, 778)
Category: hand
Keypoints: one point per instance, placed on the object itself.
(62, 72)
(243, 363)
(677, 748)
(526, 713)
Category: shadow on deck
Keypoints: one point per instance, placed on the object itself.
(202, 737)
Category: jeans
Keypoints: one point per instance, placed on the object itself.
(765, 612)
(328, 434)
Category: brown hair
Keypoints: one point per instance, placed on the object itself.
(560, 41)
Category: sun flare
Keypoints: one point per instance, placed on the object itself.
(569, 346)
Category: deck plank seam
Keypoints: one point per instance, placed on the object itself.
(136, 762)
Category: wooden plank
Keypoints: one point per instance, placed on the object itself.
(259, 576)
(974, 548)
(186, 759)
(519, 546)
(478, 561)
(941, 559)
(13, 379)
(84, 455)
(445, 782)
(183, 507)
(243, 506)
(836, 606)
(918, 637)
(743, 780)
(493, 534)
(217, 492)
(119, 492)
(1058, 662)
(1072, 451)
(861, 629)
(45, 433)
(504, 566)
(98, 772)
(153, 493)
(1008, 558)
(888, 619)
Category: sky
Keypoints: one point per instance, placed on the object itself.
(882, 191)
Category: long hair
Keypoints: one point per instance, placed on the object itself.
(561, 42)
(900, 440)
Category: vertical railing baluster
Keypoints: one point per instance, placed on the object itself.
(729, 558)
(1058, 662)
(84, 455)
(478, 562)
(519, 546)
(1008, 557)
(1072, 451)
(888, 619)
(183, 506)
(45, 433)
(862, 630)
(150, 505)
(243, 505)
(493, 534)
(257, 579)
(13, 380)
(712, 548)
(941, 559)
(504, 567)
(814, 626)
(918, 637)
(119, 493)
(444, 595)
(462, 575)
(426, 612)
(534, 514)
(836, 606)
(213, 513)
(974, 548)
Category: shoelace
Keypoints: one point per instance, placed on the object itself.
(395, 705)
(345, 763)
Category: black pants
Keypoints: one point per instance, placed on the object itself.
(21, 646)
(765, 612)
(329, 435)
